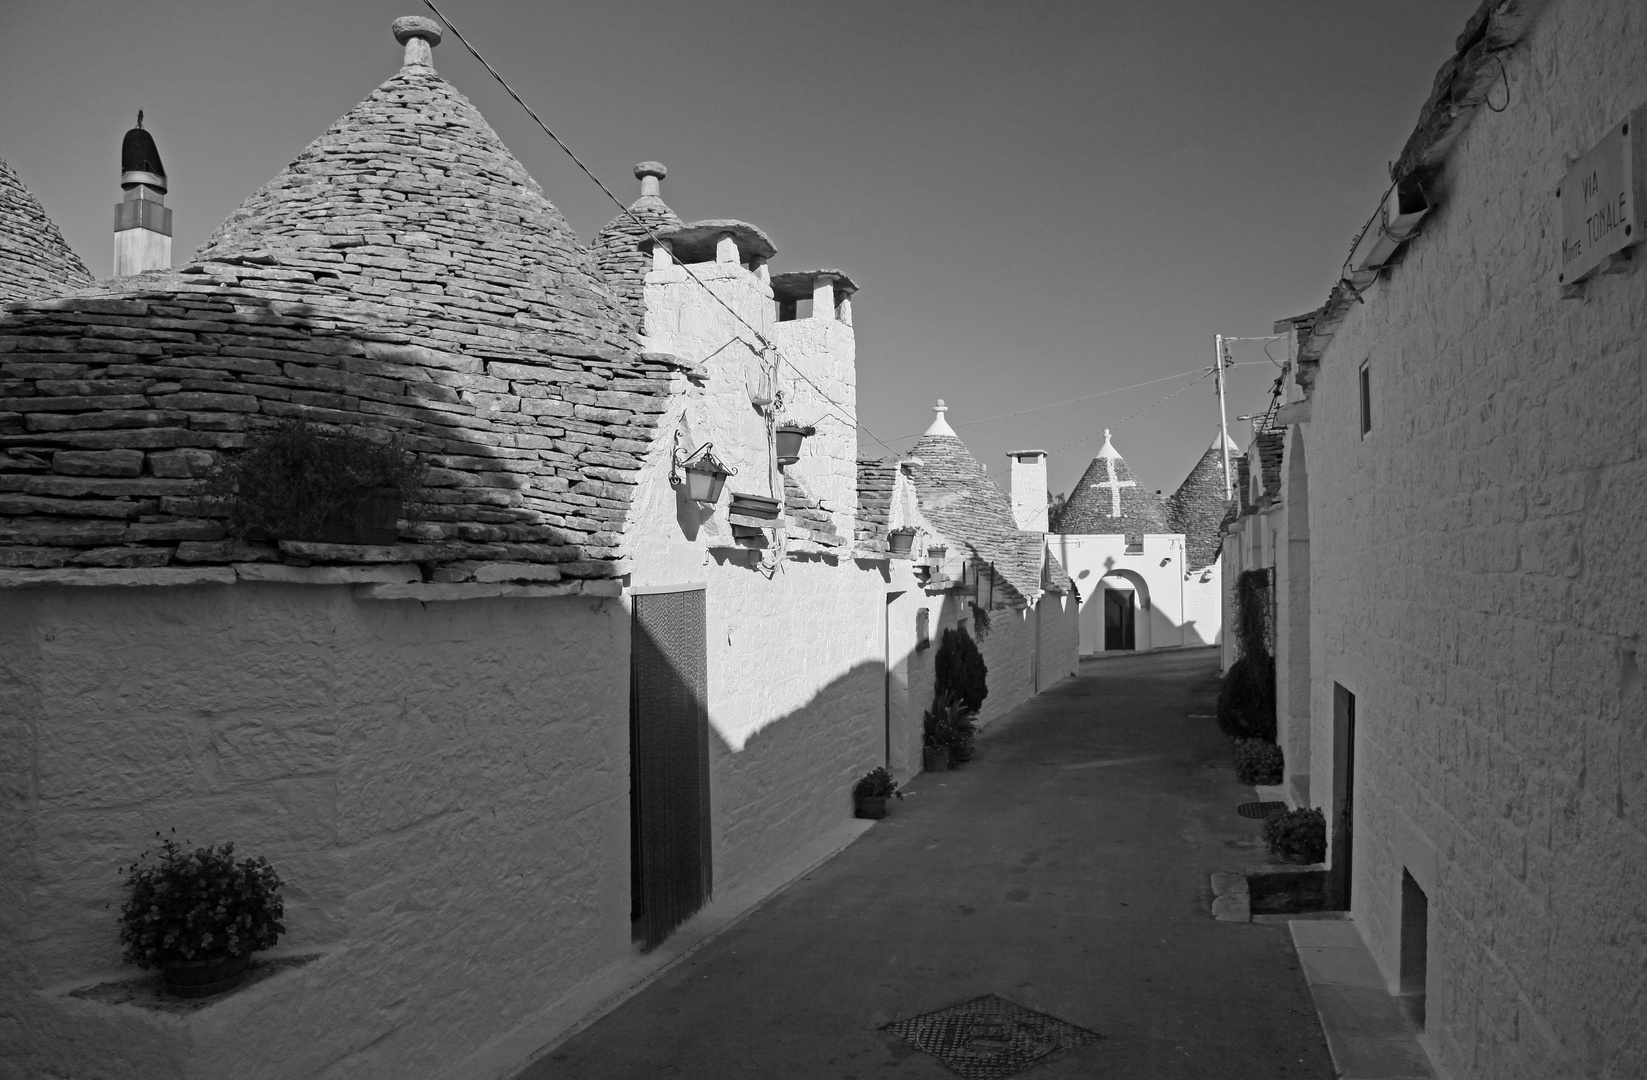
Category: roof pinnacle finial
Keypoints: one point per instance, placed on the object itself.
(139, 117)
(419, 35)
(649, 173)
(940, 426)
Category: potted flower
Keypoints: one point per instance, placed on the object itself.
(949, 729)
(900, 541)
(199, 915)
(870, 793)
(1297, 836)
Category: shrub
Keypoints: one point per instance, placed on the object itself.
(293, 478)
(198, 905)
(1252, 611)
(1246, 699)
(951, 725)
(1297, 835)
(959, 668)
(1258, 762)
(877, 783)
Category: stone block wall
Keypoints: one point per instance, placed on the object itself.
(443, 787)
(1477, 584)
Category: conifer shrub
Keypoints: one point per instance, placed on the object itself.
(1246, 700)
(1297, 835)
(1258, 762)
(959, 668)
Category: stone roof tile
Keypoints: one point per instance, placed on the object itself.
(35, 260)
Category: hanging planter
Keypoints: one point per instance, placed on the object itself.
(789, 438)
(755, 506)
(900, 541)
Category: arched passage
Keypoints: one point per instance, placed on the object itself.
(1126, 611)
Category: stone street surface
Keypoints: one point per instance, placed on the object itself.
(1064, 870)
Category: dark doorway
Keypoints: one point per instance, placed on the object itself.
(1343, 784)
(670, 857)
(1119, 630)
(1415, 948)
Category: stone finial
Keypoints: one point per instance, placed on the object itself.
(419, 35)
(649, 173)
(940, 426)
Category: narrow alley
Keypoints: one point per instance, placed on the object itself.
(1065, 870)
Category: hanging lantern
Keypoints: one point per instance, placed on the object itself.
(702, 474)
(901, 541)
(789, 438)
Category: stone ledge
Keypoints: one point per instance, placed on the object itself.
(328, 575)
(432, 591)
(201, 575)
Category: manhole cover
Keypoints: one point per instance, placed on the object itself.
(1260, 809)
(990, 1037)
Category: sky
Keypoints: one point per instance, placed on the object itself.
(1040, 200)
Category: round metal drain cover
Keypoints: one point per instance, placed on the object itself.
(1260, 810)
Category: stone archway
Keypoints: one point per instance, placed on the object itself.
(1135, 590)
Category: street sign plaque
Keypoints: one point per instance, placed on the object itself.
(1601, 202)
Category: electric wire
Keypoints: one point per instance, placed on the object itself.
(765, 344)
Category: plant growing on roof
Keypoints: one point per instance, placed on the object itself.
(196, 908)
(1246, 700)
(297, 482)
(1297, 835)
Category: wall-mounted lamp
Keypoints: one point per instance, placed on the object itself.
(700, 472)
(789, 437)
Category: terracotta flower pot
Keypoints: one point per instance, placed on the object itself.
(869, 806)
(935, 758)
(203, 978)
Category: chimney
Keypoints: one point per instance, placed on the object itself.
(1029, 489)
(142, 221)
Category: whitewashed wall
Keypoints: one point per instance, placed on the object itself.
(444, 788)
(1477, 584)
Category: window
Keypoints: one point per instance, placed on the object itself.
(1366, 400)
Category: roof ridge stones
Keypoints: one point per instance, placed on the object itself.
(412, 194)
(35, 260)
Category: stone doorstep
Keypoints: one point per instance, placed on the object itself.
(1368, 1034)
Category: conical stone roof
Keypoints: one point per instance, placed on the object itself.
(619, 250)
(412, 199)
(957, 496)
(35, 260)
(1197, 508)
(1109, 500)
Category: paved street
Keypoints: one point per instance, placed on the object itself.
(1066, 869)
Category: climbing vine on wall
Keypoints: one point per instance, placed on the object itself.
(1246, 701)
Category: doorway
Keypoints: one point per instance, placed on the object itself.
(670, 851)
(1343, 786)
(1120, 627)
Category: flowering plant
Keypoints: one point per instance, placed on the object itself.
(877, 783)
(198, 905)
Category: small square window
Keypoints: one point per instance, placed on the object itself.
(1366, 400)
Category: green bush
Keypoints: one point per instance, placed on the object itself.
(292, 479)
(1246, 700)
(198, 905)
(959, 668)
(951, 725)
(1258, 762)
(1297, 835)
(877, 783)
